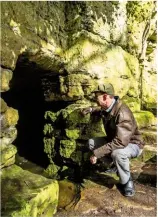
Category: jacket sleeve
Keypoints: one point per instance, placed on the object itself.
(124, 131)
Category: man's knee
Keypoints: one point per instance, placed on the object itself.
(118, 154)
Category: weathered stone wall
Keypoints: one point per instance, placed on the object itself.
(83, 41)
(82, 44)
(8, 118)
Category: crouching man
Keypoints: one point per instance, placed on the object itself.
(123, 140)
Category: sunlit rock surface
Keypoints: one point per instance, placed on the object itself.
(27, 194)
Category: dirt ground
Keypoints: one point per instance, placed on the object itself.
(100, 197)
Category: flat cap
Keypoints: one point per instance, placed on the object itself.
(105, 88)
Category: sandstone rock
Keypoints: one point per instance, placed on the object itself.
(145, 119)
(5, 76)
(6, 154)
(9, 118)
(7, 136)
(27, 194)
(3, 105)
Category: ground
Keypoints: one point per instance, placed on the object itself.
(106, 200)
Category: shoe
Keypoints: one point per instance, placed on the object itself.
(128, 188)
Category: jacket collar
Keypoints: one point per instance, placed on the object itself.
(116, 106)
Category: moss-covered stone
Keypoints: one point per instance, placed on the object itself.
(149, 136)
(77, 156)
(48, 129)
(9, 118)
(72, 134)
(8, 135)
(3, 105)
(7, 153)
(67, 147)
(5, 78)
(67, 192)
(144, 119)
(49, 147)
(49, 115)
(149, 152)
(52, 170)
(8, 162)
(133, 103)
(27, 194)
(94, 128)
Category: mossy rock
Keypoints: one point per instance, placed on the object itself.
(72, 134)
(26, 194)
(8, 135)
(149, 136)
(49, 115)
(67, 193)
(67, 147)
(77, 157)
(49, 147)
(94, 128)
(52, 170)
(5, 77)
(144, 119)
(133, 103)
(3, 105)
(8, 162)
(48, 129)
(7, 153)
(10, 118)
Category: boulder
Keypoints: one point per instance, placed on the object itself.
(9, 118)
(8, 155)
(27, 194)
(5, 76)
(3, 105)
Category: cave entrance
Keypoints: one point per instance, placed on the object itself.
(27, 96)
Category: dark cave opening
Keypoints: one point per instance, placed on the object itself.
(27, 96)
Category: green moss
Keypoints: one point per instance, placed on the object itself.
(144, 119)
(94, 128)
(7, 153)
(133, 103)
(149, 137)
(139, 10)
(147, 155)
(72, 134)
(49, 147)
(27, 194)
(52, 170)
(49, 115)
(67, 147)
(3, 105)
(11, 117)
(48, 129)
(8, 162)
(77, 157)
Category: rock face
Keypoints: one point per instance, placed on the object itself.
(9, 118)
(75, 46)
(84, 43)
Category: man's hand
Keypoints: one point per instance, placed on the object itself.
(93, 159)
(85, 111)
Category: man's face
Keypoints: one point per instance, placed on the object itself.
(103, 100)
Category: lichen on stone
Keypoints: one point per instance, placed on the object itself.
(49, 147)
(144, 119)
(52, 170)
(67, 147)
(72, 134)
(48, 129)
